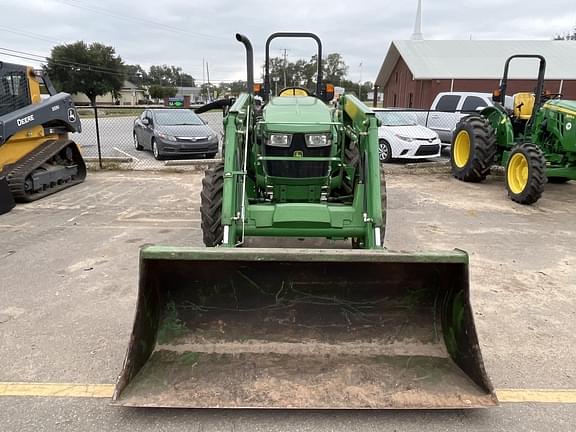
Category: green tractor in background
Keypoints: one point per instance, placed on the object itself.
(536, 142)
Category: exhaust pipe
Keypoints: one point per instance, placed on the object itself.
(249, 60)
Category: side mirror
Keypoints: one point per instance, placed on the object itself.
(146, 121)
(479, 108)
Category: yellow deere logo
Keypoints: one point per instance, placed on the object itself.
(298, 154)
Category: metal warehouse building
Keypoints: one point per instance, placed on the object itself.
(415, 71)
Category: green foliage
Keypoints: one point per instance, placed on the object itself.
(335, 69)
(136, 74)
(93, 69)
(160, 92)
(567, 36)
(303, 73)
(233, 88)
(168, 76)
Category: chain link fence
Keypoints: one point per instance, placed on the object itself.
(147, 137)
(155, 137)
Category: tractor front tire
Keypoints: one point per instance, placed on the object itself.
(211, 206)
(526, 173)
(473, 149)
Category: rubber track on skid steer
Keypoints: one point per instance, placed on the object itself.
(24, 167)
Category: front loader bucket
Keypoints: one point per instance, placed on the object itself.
(270, 328)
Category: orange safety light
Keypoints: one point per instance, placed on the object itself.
(329, 88)
(257, 87)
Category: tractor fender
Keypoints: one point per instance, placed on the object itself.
(500, 122)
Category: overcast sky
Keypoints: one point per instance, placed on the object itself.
(183, 32)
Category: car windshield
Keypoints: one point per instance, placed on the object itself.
(396, 118)
(177, 117)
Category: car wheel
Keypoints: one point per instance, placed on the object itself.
(137, 145)
(155, 151)
(385, 151)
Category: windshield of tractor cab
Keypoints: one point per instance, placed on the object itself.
(395, 118)
(177, 117)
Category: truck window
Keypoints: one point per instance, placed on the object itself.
(473, 102)
(448, 103)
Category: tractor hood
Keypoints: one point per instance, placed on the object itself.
(565, 106)
(294, 114)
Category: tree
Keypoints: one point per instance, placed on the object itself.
(334, 68)
(93, 69)
(567, 36)
(171, 76)
(304, 73)
(160, 92)
(136, 74)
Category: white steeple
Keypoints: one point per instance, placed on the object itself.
(417, 35)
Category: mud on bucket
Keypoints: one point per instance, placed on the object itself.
(263, 328)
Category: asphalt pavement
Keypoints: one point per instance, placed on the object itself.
(69, 266)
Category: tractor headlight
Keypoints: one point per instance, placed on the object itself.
(279, 140)
(317, 140)
(404, 138)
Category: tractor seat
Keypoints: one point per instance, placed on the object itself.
(523, 105)
(294, 91)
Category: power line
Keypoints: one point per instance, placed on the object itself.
(75, 65)
(75, 3)
(27, 34)
(61, 61)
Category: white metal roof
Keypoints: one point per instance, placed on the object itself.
(479, 59)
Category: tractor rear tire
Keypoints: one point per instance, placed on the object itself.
(211, 206)
(473, 149)
(526, 173)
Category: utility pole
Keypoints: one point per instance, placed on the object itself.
(360, 83)
(203, 79)
(285, 63)
(208, 78)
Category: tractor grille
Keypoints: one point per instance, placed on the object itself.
(428, 150)
(297, 169)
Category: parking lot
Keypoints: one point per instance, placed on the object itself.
(116, 138)
(69, 266)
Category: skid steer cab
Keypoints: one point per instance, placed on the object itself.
(239, 327)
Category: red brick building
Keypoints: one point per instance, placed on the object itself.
(415, 71)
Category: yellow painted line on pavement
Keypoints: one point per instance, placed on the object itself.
(56, 389)
(556, 396)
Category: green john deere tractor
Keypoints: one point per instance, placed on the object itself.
(536, 141)
(240, 327)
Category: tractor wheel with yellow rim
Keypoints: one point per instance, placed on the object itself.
(473, 149)
(526, 173)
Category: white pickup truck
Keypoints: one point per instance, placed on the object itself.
(449, 107)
